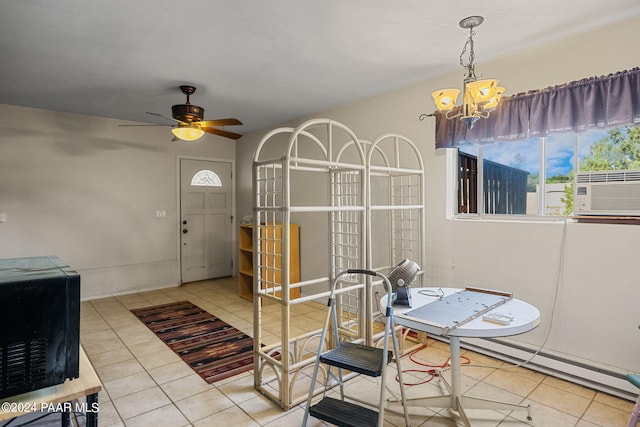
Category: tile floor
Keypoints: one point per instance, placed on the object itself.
(145, 383)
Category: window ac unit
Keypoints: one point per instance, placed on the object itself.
(607, 193)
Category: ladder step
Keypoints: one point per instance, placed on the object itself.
(357, 358)
(344, 414)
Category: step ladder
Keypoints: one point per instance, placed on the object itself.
(349, 410)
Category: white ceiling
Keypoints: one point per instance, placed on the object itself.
(263, 62)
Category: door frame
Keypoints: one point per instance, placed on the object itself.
(234, 227)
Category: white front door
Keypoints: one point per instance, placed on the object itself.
(205, 219)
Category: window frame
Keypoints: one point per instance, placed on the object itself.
(453, 182)
(206, 178)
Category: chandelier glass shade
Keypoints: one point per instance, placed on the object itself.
(187, 132)
(479, 97)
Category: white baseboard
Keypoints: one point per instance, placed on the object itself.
(586, 373)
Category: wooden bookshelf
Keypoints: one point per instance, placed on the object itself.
(272, 257)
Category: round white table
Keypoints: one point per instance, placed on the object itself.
(524, 317)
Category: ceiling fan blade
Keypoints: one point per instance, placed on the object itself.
(168, 118)
(221, 132)
(143, 125)
(219, 122)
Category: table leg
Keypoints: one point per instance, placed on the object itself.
(92, 410)
(455, 401)
(456, 381)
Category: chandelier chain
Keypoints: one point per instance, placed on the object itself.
(472, 56)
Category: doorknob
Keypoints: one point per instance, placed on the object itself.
(184, 222)
(184, 231)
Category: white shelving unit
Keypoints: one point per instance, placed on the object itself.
(359, 204)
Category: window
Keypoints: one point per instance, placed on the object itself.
(571, 128)
(206, 178)
(535, 176)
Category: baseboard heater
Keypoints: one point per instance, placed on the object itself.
(579, 372)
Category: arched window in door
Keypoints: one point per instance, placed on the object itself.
(206, 178)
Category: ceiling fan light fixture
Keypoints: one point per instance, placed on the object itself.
(187, 133)
(190, 121)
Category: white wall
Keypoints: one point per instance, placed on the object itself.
(597, 313)
(84, 189)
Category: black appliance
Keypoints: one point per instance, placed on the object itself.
(40, 324)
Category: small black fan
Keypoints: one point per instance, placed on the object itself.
(401, 278)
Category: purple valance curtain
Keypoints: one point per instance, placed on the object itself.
(597, 102)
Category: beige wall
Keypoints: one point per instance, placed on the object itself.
(87, 190)
(596, 314)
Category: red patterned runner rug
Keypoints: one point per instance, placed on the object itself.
(211, 347)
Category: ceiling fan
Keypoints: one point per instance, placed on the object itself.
(190, 121)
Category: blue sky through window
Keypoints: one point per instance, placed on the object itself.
(526, 154)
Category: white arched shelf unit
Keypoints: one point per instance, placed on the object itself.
(338, 188)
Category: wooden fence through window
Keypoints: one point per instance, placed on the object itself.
(504, 187)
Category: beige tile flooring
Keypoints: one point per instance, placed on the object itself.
(146, 384)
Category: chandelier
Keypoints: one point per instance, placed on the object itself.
(479, 97)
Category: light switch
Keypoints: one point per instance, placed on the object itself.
(161, 214)
(3, 217)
